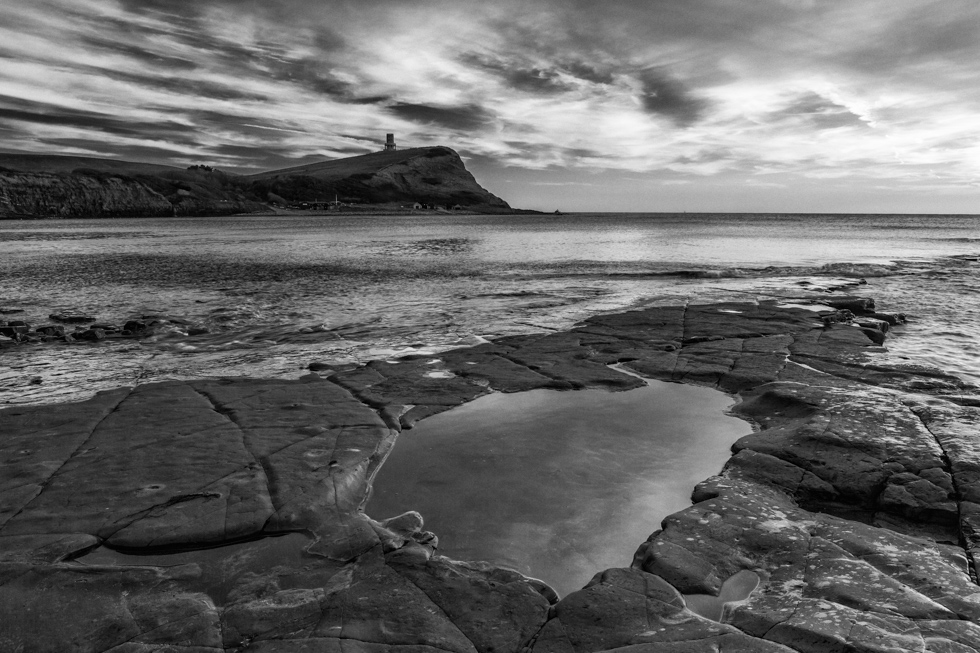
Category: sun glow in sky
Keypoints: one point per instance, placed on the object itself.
(618, 105)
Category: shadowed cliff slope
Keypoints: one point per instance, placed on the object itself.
(431, 175)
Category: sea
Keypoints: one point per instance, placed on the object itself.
(267, 295)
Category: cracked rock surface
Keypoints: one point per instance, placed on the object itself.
(226, 515)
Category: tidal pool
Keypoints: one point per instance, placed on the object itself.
(557, 485)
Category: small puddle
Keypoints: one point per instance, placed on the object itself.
(224, 567)
(557, 485)
(736, 588)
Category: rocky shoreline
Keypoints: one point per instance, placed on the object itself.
(226, 514)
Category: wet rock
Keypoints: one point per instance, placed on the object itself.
(497, 371)
(829, 583)
(91, 335)
(857, 305)
(13, 331)
(406, 524)
(859, 456)
(920, 499)
(496, 609)
(411, 382)
(893, 319)
(272, 617)
(51, 330)
(627, 609)
(874, 335)
(843, 579)
(100, 609)
(71, 318)
(880, 325)
(683, 569)
(135, 326)
(390, 610)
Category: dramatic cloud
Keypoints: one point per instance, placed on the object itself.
(653, 97)
(666, 96)
(465, 117)
(519, 75)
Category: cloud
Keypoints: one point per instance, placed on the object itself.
(819, 113)
(588, 72)
(666, 96)
(139, 53)
(519, 75)
(906, 38)
(19, 110)
(462, 117)
(225, 89)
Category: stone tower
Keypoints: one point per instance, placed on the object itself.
(390, 143)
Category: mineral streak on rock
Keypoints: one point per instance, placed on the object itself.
(856, 503)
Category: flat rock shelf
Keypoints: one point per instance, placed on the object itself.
(557, 485)
(227, 515)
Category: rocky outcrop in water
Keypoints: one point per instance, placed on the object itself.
(855, 504)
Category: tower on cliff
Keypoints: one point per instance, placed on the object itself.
(390, 143)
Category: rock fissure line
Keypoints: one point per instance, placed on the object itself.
(340, 641)
(948, 465)
(267, 469)
(540, 371)
(440, 608)
(160, 626)
(198, 493)
(138, 447)
(44, 484)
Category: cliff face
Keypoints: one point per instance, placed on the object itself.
(92, 194)
(34, 194)
(44, 186)
(438, 176)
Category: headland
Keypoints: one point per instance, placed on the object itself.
(423, 179)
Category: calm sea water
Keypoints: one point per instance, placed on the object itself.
(267, 295)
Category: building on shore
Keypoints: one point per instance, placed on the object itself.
(390, 143)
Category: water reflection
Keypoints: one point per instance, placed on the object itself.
(558, 485)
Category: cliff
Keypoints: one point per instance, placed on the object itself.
(430, 175)
(90, 193)
(40, 186)
(39, 194)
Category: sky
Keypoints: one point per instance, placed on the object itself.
(805, 106)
